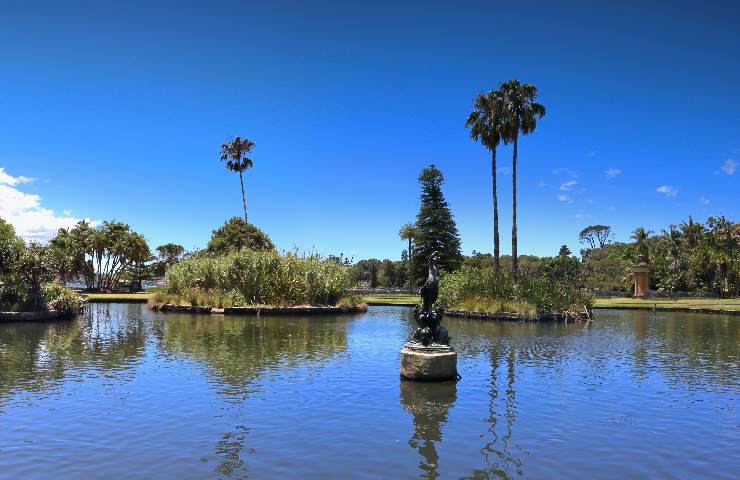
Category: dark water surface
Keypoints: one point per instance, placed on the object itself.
(123, 392)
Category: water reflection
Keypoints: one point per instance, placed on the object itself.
(316, 397)
(429, 404)
(239, 350)
(35, 356)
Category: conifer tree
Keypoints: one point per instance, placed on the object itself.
(436, 229)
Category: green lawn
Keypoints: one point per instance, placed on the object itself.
(117, 297)
(391, 299)
(708, 303)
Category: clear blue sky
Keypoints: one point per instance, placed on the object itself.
(116, 111)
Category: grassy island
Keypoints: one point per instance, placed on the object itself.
(257, 278)
(552, 290)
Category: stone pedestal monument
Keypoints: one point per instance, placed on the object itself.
(428, 356)
(642, 279)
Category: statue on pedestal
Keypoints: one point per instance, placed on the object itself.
(430, 331)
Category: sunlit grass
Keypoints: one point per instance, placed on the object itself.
(731, 304)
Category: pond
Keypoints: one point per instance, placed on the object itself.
(126, 392)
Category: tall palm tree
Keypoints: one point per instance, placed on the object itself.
(522, 113)
(486, 124)
(234, 153)
(408, 232)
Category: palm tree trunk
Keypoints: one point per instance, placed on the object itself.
(514, 259)
(496, 261)
(411, 267)
(244, 202)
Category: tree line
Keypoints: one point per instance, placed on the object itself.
(689, 257)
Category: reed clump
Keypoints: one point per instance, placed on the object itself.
(542, 292)
(250, 277)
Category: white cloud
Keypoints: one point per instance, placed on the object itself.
(503, 171)
(6, 179)
(566, 172)
(568, 185)
(613, 172)
(704, 201)
(667, 190)
(564, 198)
(24, 211)
(578, 216)
(729, 167)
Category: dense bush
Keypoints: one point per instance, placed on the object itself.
(555, 287)
(58, 297)
(249, 277)
(26, 277)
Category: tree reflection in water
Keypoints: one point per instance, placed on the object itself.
(35, 356)
(429, 404)
(239, 351)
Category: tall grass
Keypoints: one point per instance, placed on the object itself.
(475, 289)
(257, 278)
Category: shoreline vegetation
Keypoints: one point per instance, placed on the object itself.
(698, 304)
(241, 269)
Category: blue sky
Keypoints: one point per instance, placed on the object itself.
(117, 112)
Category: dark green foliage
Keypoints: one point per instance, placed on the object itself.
(230, 237)
(564, 251)
(168, 255)
(435, 226)
(374, 273)
(11, 248)
(102, 255)
(690, 257)
(696, 257)
(561, 269)
(27, 274)
(609, 268)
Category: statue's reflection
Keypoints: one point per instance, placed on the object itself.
(429, 403)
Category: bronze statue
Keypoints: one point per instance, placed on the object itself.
(430, 331)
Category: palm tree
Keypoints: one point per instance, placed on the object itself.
(640, 236)
(234, 153)
(486, 124)
(522, 113)
(408, 232)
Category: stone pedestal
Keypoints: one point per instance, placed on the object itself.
(433, 363)
(642, 279)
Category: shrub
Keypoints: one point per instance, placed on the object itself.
(555, 287)
(250, 277)
(58, 297)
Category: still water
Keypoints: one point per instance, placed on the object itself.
(123, 392)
